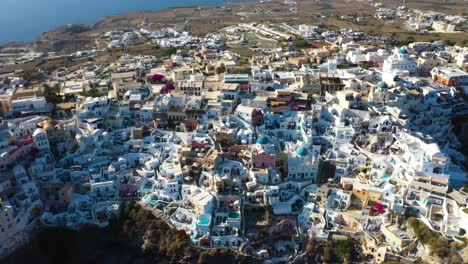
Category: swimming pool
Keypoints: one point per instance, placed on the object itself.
(204, 219)
(234, 215)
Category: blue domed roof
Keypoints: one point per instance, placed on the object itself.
(382, 85)
(262, 140)
(301, 151)
(402, 51)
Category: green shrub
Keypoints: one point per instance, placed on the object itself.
(437, 244)
(300, 43)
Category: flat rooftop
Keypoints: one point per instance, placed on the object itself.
(229, 86)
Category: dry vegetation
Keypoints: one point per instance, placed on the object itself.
(201, 20)
(135, 237)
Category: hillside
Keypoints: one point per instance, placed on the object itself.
(135, 237)
(200, 20)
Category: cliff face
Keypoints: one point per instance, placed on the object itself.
(65, 39)
(89, 245)
(135, 237)
(460, 129)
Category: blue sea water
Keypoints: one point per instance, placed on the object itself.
(24, 20)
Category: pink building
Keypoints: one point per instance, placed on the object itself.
(260, 157)
(199, 145)
(263, 160)
(22, 149)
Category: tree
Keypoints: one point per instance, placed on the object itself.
(164, 52)
(300, 43)
(27, 77)
(438, 245)
(365, 66)
(241, 71)
(92, 92)
(220, 186)
(52, 93)
(311, 247)
(344, 249)
(35, 212)
(465, 188)
(450, 42)
(221, 69)
(243, 61)
(327, 255)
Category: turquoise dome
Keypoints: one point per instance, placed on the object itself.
(301, 151)
(402, 51)
(262, 140)
(382, 85)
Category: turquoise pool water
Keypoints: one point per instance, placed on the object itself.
(234, 215)
(204, 219)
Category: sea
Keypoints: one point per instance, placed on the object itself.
(25, 20)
